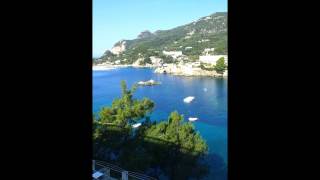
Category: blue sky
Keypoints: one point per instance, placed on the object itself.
(114, 20)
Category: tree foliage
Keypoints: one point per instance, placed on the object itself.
(170, 148)
(203, 67)
(126, 110)
(220, 66)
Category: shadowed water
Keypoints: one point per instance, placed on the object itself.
(209, 105)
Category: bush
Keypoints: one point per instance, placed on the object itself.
(206, 68)
(220, 66)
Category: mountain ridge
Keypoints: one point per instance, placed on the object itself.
(191, 39)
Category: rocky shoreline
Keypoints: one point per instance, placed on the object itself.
(173, 69)
(116, 66)
(185, 70)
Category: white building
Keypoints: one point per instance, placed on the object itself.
(208, 50)
(173, 54)
(212, 59)
(203, 40)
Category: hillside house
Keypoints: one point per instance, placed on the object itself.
(173, 54)
(212, 59)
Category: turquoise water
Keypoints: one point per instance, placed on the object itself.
(209, 105)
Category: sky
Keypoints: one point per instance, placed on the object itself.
(114, 20)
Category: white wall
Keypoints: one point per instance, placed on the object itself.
(211, 59)
(174, 54)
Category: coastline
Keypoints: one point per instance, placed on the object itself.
(107, 67)
(110, 67)
(189, 71)
(101, 68)
(176, 71)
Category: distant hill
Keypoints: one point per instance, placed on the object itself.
(192, 39)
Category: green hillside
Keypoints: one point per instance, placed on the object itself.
(207, 32)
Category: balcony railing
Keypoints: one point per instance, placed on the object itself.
(106, 170)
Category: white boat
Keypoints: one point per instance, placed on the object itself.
(188, 99)
(136, 125)
(193, 118)
(205, 89)
(148, 83)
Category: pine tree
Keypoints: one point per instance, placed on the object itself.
(172, 145)
(220, 66)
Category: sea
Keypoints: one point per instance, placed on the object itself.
(209, 105)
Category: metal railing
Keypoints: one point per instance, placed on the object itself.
(106, 168)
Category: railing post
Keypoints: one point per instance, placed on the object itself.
(93, 165)
(124, 175)
(106, 173)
